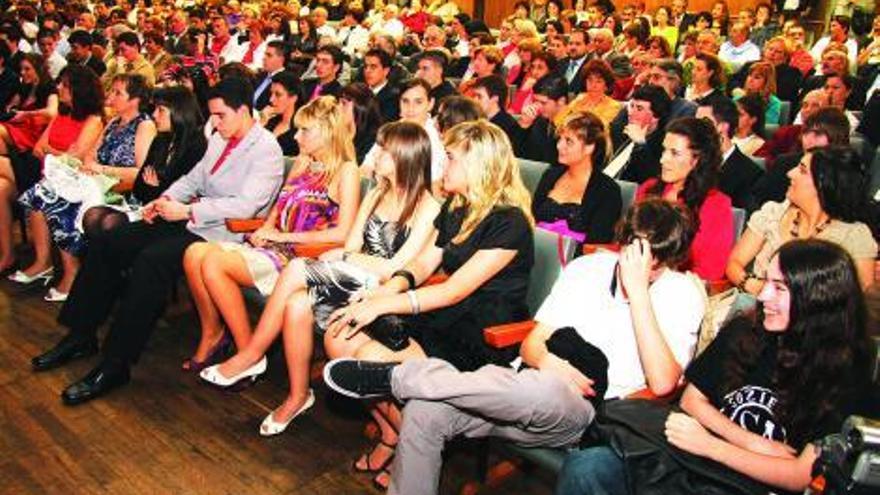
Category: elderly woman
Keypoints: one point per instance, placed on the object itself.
(596, 99)
(824, 201)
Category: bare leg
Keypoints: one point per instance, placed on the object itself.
(292, 279)
(71, 264)
(298, 345)
(224, 274)
(7, 250)
(209, 318)
(42, 243)
(5, 141)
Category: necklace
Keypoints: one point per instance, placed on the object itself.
(796, 223)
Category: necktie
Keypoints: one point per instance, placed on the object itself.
(316, 92)
(617, 164)
(572, 70)
(262, 87)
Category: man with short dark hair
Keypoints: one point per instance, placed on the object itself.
(637, 157)
(238, 176)
(431, 66)
(273, 63)
(328, 62)
(490, 92)
(570, 67)
(549, 97)
(81, 52)
(377, 65)
(738, 173)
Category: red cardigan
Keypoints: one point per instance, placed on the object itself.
(714, 240)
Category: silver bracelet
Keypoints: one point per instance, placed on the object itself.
(413, 302)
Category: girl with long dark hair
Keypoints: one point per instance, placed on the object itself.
(361, 111)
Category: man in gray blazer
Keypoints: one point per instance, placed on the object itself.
(239, 175)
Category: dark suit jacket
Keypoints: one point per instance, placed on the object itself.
(183, 46)
(331, 89)
(870, 124)
(97, 66)
(644, 162)
(579, 83)
(773, 184)
(442, 91)
(389, 102)
(514, 132)
(599, 208)
(263, 98)
(738, 174)
(539, 142)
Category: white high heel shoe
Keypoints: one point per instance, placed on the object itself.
(25, 279)
(212, 374)
(270, 427)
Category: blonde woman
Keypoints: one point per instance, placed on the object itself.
(392, 226)
(484, 242)
(761, 81)
(317, 203)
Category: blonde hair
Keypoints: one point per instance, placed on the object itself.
(492, 173)
(526, 29)
(324, 114)
(768, 72)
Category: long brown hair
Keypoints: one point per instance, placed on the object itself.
(410, 148)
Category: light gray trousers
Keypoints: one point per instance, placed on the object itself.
(530, 407)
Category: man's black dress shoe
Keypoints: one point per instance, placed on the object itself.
(104, 378)
(71, 347)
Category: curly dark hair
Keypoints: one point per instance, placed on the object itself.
(86, 92)
(705, 143)
(840, 182)
(825, 347)
(602, 69)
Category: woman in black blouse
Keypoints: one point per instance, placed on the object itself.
(284, 95)
(577, 199)
(178, 146)
(484, 242)
(362, 115)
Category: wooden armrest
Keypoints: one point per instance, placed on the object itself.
(243, 225)
(435, 279)
(124, 186)
(314, 249)
(718, 286)
(501, 336)
(646, 393)
(593, 248)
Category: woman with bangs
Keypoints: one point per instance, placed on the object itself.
(761, 81)
(393, 225)
(317, 203)
(483, 242)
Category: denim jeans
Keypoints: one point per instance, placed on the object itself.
(592, 471)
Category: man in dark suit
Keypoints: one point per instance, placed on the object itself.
(738, 172)
(637, 158)
(549, 97)
(178, 42)
(377, 65)
(570, 67)
(328, 62)
(431, 66)
(81, 52)
(491, 93)
(273, 63)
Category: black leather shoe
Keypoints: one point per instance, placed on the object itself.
(71, 347)
(98, 382)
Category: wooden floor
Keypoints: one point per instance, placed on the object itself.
(167, 433)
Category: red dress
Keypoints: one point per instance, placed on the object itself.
(64, 130)
(714, 240)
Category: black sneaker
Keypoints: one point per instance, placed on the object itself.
(359, 379)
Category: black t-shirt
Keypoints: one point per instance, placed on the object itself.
(503, 228)
(752, 404)
(455, 333)
(289, 146)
